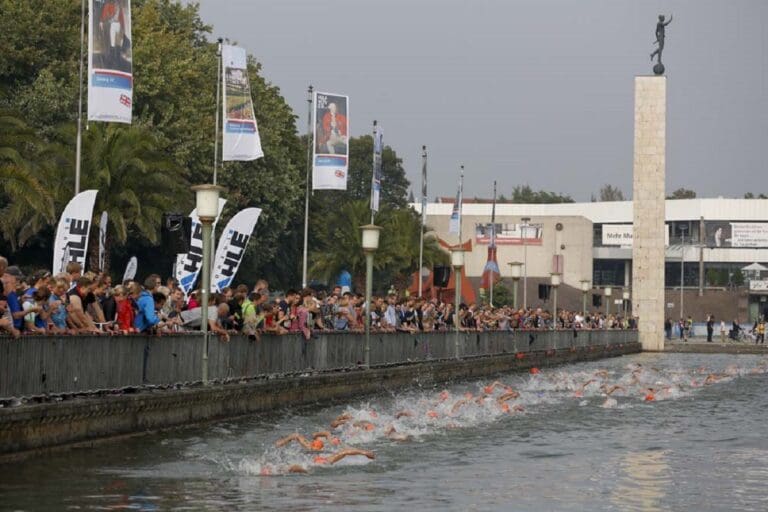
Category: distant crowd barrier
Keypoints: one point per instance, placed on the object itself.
(49, 365)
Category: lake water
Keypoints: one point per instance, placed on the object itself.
(563, 444)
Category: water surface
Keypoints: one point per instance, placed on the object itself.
(563, 444)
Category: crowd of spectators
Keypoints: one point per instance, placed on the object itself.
(74, 302)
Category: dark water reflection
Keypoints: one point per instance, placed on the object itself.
(702, 449)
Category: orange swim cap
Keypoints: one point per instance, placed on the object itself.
(321, 460)
(432, 414)
(534, 370)
(317, 444)
(487, 390)
(369, 426)
(505, 407)
(335, 441)
(650, 397)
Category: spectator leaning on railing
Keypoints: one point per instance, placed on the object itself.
(146, 318)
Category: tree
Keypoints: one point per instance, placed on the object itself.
(750, 195)
(135, 180)
(27, 202)
(398, 246)
(525, 194)
(611, 193)
(682, 193)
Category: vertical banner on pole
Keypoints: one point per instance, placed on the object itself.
(71, 242)
(330, 154)
(103, 239)
(455, 222)
(193, 261)
(378, 147)
(241, 135)
(231, 249)
(110, 73)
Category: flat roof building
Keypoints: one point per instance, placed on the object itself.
(716, 238)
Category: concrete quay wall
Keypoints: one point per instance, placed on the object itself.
(76, 420)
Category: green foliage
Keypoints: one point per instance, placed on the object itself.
(682, 193)
(737, 278)
(27, 202)
(611, 193)
(750, 195)
(398, 251)
(525, 194)
(502, 296)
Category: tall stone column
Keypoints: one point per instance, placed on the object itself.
(648, 207)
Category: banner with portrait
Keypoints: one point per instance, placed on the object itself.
(330, 154)
(736, 234)
(231, 249)
(110, 69)
(508, 234)
(241, 135)
(71, 243)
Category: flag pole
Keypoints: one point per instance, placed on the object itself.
(306, 200)
(216, 129)
(493, 241)
(423, 212)
(78, 142)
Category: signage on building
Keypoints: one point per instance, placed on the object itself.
(737, 234)
(621, 234)
(758, 286)
(509, 234)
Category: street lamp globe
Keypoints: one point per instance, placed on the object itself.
(607, 291)
(457, 257)
(517, 269)
(207, 201)
(554, 279)
(585, 285)
(370, 237)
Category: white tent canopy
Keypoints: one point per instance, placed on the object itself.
(754, 267)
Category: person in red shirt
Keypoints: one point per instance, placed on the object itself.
(125, 312)
(334, 128)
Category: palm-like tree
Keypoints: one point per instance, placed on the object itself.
(398, 251)
(137, 183)
(27, 202)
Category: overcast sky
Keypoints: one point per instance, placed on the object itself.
(536, 92)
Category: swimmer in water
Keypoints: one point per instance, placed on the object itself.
(340, 420)
(392, 433)
(495, 384)
(346, 452)
(610, 390)
(365, 425)
(509, 395)
(316, 445)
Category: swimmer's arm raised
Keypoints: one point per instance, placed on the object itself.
(336, 457)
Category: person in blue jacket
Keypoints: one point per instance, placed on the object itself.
(146, 318)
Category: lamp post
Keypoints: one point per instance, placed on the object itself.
(457, 261)
(516, 267)
(607, 291)
(585, 286)
(207, 202)
(554, 280)
(524, 228)
(683, 229)
(370, 244)
(625, 296)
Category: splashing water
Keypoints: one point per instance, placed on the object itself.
(412, 415)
